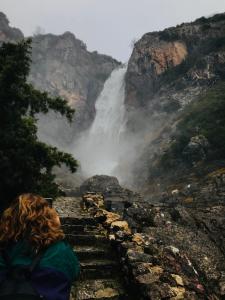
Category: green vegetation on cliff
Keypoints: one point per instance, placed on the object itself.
(203, 117)
(25, 162)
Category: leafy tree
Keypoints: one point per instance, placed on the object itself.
(25, 162)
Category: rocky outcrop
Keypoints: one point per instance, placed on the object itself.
(62, 66)
(112, 191)
(7, 33)
(167, 71)
(168, 251)
(197, 149)
(173, 62)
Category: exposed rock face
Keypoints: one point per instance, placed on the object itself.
(101, 183)
(178, 252)
(7, 33)
(116, 198)
(197, 149)
(166, 71)
(63, 66)
(168, 55)
(150, 58)
(198, 43)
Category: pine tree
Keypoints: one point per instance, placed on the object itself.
(25, 162)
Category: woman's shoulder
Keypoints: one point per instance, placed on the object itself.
(58, 246)
(61, 256)
(60, 249)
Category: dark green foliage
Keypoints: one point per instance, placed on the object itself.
(215, 18)
(206, 117)
(206, 27)
(25, 162)
(169, 35)
(171, 106)
(174, 73)
(202, 20)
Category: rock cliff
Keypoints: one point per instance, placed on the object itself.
(175, 62)
(7, 33)
(62, 65)
(167, 71)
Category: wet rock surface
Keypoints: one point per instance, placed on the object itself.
(171, 250)
(100, 276)
(116, 198)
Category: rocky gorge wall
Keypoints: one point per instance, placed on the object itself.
(167, 71)
(62, 65)
(175, 61)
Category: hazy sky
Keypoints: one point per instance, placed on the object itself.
(107, 26)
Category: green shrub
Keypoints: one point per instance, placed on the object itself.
(169, 35)
(205, 116)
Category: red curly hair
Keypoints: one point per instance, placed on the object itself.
(30, 217)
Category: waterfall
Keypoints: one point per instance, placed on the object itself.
(100, 149)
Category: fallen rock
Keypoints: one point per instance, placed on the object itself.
(92, 200)
(120, 226)
(138, 239)
(178, 293)
(101, 184)
(147, 278)
(178, 279)
(196, 149)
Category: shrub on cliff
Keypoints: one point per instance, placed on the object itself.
(25, 162)
(203, 117)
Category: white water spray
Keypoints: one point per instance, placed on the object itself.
(100, 149)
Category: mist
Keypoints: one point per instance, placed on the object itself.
(109, 146)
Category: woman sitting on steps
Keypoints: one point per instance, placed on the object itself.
(35, 261)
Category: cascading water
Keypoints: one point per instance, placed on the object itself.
(100, 149)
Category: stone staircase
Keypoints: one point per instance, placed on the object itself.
(100, 272)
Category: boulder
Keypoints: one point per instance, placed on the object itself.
(197, 149)
(120, 226)
(101, 184)
(93, 200)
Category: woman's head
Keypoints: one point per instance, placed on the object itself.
(30, 217)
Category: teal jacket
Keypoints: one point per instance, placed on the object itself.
(56, 271)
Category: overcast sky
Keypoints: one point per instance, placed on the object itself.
(107, 26)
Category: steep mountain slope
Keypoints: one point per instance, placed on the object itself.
(7, 33)
(168, 70)
(62, 65)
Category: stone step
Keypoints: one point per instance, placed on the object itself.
(95, 274)
(98, 289)
(80, 220)
(85, 239)
(76, 229)
(98, 269)
(98, 263)
(91, 252)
